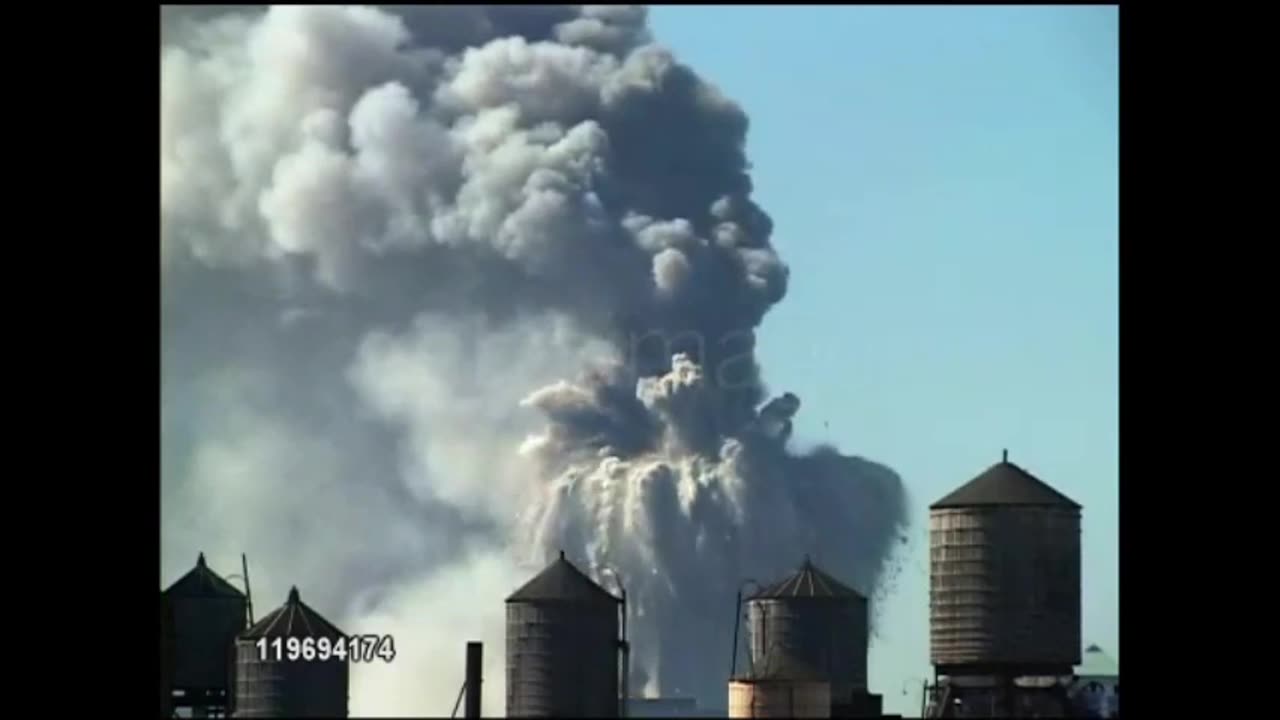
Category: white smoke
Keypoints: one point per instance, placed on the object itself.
(448, 289)
(454, 391)
(432, 620)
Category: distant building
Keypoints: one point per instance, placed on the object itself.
(1097, 687)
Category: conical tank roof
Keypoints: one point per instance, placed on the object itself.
(293, 619)
(808, 582)
(201, 582)
(561, 582)
(1004, 484)
(1097, 663)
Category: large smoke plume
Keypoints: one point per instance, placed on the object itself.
(447, 289)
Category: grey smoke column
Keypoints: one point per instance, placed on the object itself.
(383, 228)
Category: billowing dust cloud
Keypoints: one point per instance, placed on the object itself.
(448, 289)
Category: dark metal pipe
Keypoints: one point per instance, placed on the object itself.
(475, 661)
(458, 703)
(625, 694)
(624, 647)
(737, 623)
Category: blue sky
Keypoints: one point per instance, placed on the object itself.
(944, 185)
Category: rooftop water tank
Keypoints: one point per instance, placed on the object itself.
(273, 681)
(201, 613)
(562, 646)
(810, 618)
(1004, 577)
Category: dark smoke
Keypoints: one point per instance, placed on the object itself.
(383, 230)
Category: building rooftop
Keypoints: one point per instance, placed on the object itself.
(1005, 484)
(562, 582)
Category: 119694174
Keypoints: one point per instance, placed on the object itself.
(355, 648)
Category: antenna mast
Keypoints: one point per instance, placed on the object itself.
(248, 596)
